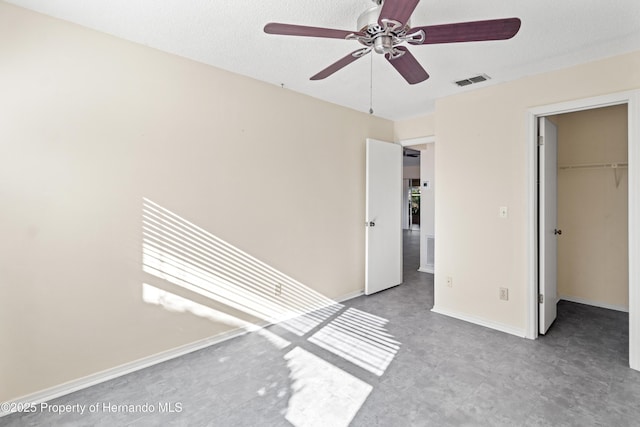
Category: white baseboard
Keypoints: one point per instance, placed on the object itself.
(118, 371)
(350, 296)
(595, 304)
(426, 270)
(127, 368)
(482, 322)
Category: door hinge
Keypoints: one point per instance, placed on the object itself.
(540, 298)
(540, 140)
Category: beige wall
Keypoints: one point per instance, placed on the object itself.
(593, 252)
(89, 125)
(482, 164)
(414, 128)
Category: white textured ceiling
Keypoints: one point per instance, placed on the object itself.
(228, 34)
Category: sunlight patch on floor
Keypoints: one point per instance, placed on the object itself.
(322, 394)
(303, 324)
(360, 338)
(183, 254)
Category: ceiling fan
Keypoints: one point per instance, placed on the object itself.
(384, 27)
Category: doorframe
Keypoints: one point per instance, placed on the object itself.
(632, 99)
(429, 139)
(418, 141)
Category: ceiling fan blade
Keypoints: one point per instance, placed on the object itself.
(301, 30)
(340, 64)
(397, 10)
(408, 66)
(475, 31)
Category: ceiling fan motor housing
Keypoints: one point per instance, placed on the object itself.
(382, 38)
(368, 22)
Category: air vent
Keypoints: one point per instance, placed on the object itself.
(471, 80)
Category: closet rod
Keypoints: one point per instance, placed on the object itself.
(595, 166)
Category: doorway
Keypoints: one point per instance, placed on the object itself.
(632, 101)
(413, 204)
(593, 249)
(411, 189)
(585, 214)
(421, 188)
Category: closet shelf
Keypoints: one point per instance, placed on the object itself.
(595, 166)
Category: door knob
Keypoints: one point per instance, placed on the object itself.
(372, 224)
(556, 231)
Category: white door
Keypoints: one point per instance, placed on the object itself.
(383, 256)
(548, 229)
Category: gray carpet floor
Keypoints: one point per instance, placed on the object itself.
(382, 360)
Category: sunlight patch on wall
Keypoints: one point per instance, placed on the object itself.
(175, 303)
(186, 255)
(323, 395)
(360, 338)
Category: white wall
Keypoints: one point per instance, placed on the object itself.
(89, 125)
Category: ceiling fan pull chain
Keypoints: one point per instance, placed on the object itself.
(371, 87)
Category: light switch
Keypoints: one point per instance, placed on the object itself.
(504, 212)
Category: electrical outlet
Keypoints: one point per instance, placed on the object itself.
(449, 282)
(278, 289)
(504, 294)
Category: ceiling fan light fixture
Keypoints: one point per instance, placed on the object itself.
(383, 44)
